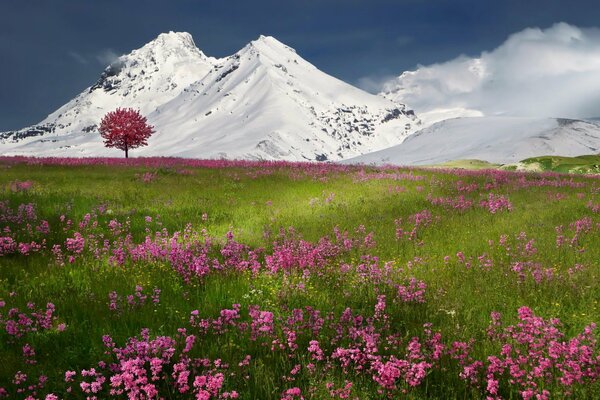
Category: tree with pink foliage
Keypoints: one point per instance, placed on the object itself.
(125, 128)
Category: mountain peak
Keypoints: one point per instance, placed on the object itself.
(169, 46)
(167, 62)
(174, 39)
(166, 52)
(267, 39)
(268, 44)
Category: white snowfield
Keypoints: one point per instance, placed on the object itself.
(502, 140)
(264, 102)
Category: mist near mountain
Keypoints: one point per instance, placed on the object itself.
(537, 72)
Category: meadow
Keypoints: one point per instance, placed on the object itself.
(176, 279)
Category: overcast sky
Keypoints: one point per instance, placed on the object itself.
(52, 50)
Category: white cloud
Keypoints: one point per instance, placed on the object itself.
(78, 57)
(552, 72)
(373, 84)
(106, 56)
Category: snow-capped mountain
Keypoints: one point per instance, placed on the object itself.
(264, 102)
(501, 140)
(143, 79)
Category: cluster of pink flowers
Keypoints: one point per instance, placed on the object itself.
(579, 229)
(142, 367)
(292, 394)
(363, 176)
(291, 252)
(29, 354)
(7, 245)
(595, 207)
(136, 300)
(414, 292)
(17, 323)
(418, 222)
(496, 203)
(535, 354)
(228, 318)
(28, 387)
(21, 231)
(20, 186)
(147, 177)
(343, 392)
(464, 187)
(24, 213)
(459, 203)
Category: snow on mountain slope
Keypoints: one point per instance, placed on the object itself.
(267, 102)
(500, 140)
(263, 102)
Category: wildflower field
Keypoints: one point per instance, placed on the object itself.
(177, 279)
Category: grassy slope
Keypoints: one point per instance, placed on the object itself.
(467, 164)
(588, 164)
(459, 300)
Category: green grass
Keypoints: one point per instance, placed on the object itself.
(467, 164)
(588, 164)
(459, 299)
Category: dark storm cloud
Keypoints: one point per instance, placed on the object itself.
(51, 50)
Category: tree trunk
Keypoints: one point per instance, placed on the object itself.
(126, 152)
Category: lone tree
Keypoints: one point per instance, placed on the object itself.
(125, 128)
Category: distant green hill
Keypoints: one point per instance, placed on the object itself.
(588, 164)
(468, 164)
